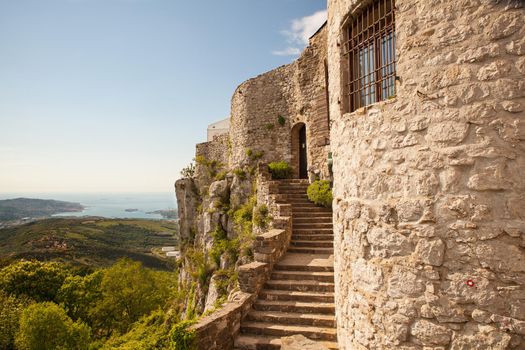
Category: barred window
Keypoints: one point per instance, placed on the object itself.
(369, 65)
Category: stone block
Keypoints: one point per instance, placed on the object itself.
(428, 333)
(385, 243)
(366, 276)
(404, 282)
(430, 252)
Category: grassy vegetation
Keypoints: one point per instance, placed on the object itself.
(212, 166)
(280, 170)
(89, 241)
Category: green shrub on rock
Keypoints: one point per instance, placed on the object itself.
(182, 338)
(320, 193)
(280, 170)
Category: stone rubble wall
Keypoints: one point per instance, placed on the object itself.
(216, 150)
(295, 92)
(429, 197)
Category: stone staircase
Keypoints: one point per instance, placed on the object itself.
(299, 296)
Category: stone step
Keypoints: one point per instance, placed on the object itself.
(315, 333)
(311, 214)
(322, 276)
(312, 237)
(300, 286)
(313, 231)
(300, 195)
(309, 220)
(295, 190)
(309, 250)
(310, 208)
(294, 306)
(283, 181)
(299, 200)
(260, 342)
(312, 243)
(292, 318)
(320, 297)
(288, 267)
(312, 225)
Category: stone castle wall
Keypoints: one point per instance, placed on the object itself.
(429, 197)
(295, 92)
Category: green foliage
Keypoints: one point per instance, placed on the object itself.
(129, 291)
(240, 173)
(46, 326)
(261, 216)
(280, 170)
(149, 333)
(254, 155)
(221, 245)
(188, 172)
(281, 120)
(113, 301)
(10, 312)
(182, 338)
(37, 280)
(270, 126)
(212, 166)
(191, 303)
(320, 193)
(221, 175)
(224, 279)
(197, 266)
(79, 295)
(243, 219)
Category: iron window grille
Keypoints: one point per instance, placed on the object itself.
(369, 64)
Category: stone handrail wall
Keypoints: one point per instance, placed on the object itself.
(218, 330)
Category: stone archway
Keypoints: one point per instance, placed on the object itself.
(299, 151)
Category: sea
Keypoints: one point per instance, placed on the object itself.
(110, 205)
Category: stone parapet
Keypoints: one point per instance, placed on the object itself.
(218, 330)
(252, 276)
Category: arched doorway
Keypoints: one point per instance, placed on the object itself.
(299, 151)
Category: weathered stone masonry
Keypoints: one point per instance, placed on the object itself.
(297, 93)
(429, 197)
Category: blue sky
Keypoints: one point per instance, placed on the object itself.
(113, 95)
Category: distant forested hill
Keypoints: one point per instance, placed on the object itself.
(18, 208)
(89, 241)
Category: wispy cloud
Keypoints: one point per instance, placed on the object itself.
(301, 29)
(290, 51)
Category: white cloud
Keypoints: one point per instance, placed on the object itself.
(290, 51)
(301, 29)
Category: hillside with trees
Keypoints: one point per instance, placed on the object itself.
(92, 242)
(51, 305)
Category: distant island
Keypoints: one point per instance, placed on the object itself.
(131, 210)
(30, 208)
(166, 213)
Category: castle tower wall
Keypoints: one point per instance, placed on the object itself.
(429, 197)
(264, 110)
